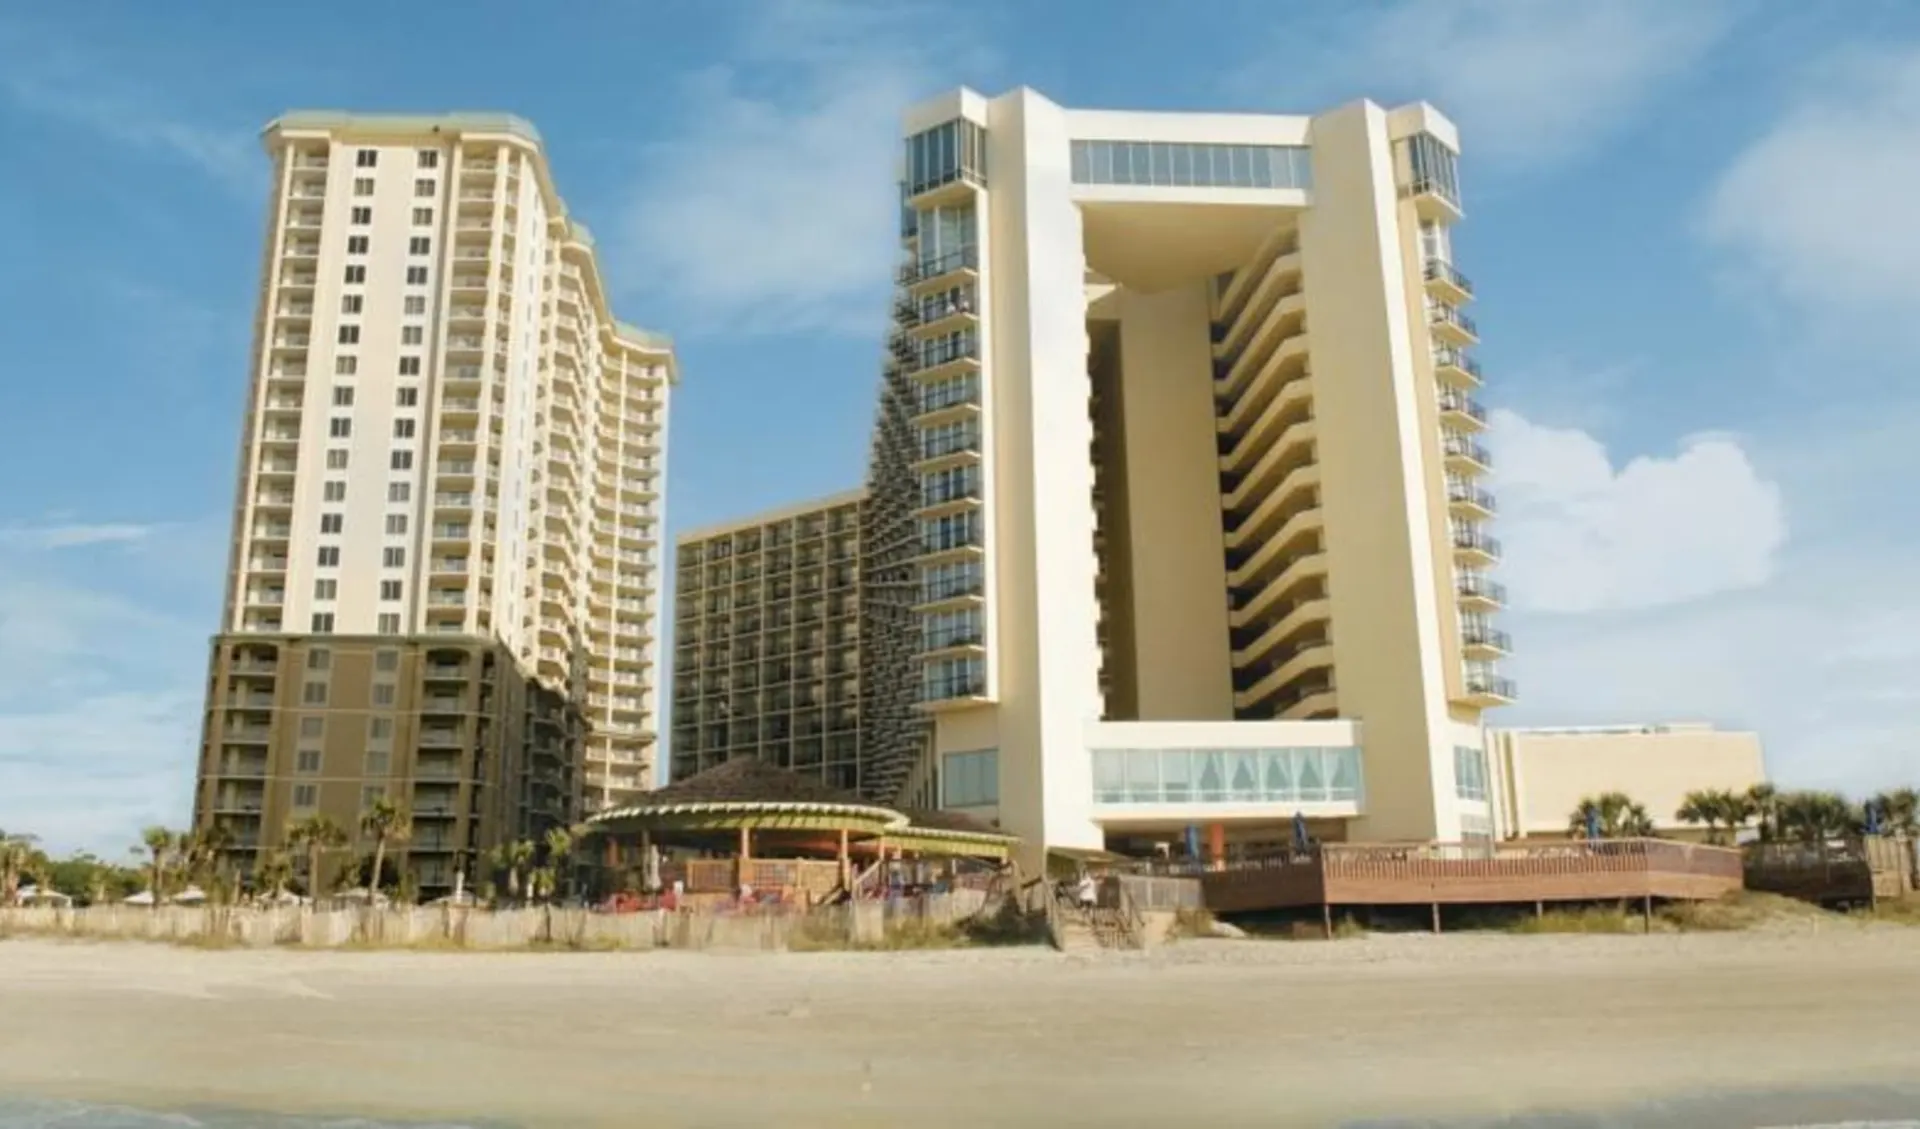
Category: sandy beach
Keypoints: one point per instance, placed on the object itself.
(1215, 1033)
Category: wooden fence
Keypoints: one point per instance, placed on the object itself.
(1864, 870)
(759, 927)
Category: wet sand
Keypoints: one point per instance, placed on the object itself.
(1214, 1033)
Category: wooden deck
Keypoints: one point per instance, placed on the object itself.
(1463, 874)
(1863, 871)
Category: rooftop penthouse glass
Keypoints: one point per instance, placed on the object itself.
(1226, 776)
(1174, 164)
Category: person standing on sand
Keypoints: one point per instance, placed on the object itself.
(1089, 890)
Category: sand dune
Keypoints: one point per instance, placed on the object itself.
(1216, 1033)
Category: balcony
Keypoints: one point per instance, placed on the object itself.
(1461, 412)
(274, 499)
(1489, 690)
(1483, 641)
(302, 249)
(1480, 592)
(449, 566)
(1469, 500)
(443, 703)
(444, 672)
(1446, 283)
(1473, 547)
(267, 564)
(1452, 366)
(440, 738)
(298, 279)
(1464, 456)
(952, 691)
(1452, 326)
(291, 341)
(952, 267)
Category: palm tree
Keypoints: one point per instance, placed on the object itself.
(1815, 817)
(518, 855)
(1722, 812)
(317, 834)
(1617, 815)
(387, 821)
(205, 854)
(161, 844)
(15, 851)
(1899, 811)
(560, 855)
(273, 873)
(1764, 799)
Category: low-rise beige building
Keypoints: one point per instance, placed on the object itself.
(1541, 775)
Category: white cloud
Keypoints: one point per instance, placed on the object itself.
(101, 662)
(1582, 535)
(69, 536)
(52, 79)
(1529, 82)
(774, 207)
(1819, 209)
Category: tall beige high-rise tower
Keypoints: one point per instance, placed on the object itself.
(444, 581)
(1177, 484)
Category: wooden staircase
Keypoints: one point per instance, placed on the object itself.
(1078, 929)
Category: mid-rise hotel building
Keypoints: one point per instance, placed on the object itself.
(1178, 480)
(444, 576)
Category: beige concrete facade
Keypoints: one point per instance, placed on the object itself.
(1178, 424)
(1541, 775)
(449, 437)
(767, 655)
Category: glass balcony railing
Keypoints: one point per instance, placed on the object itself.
(1484, 635)
(1472, 540)
(964, 258)
(1438, 271)
(1473, 585)
(1491, 686)
(1462, 404)
(1443, 314)
(1449, 357)
(1459, 446)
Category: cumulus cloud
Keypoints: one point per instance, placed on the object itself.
(1530, 82)
(1818, 209)
(774, 209)
(1584, 535)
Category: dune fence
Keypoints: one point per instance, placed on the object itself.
(879, 923)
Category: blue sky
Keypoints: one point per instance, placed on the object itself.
(1689, 225)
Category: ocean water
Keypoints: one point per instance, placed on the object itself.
(28, 1113)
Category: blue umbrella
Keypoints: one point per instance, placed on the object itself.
(1593, 823)
(1193, 840)
(1873, 818)
(1300, 840)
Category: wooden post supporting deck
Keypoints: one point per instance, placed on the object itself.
(1646, 912)
(1436, 917)
(1326, 919)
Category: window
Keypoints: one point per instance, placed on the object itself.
(332, 523)
(396, 524)
(403, 429)
(307, 762)
(409, 366)
(314, 694)
(365, 158)
(1470, 773)
(319, 659)
(329, 556)
(362, 217)
(322, 623)
(423, 186)
(416, 276)
(363, 186)
(970, 779)
(427, 159)
(356, 275)
(394, 556)
(351, 304)
(343, 397)
(326, 589)
(340, 427)
(1198, 165)
(335, 491)
(336, 460)
(312, 726)
(349, 335)
(388, 624)
(372, 794)
(412, 335)
(422, 216)
(416, 305)
(420, 245)
(379, 762)
(358, 244)
(306, 795)
(389, 591)
(401, 460)
(399, 491)
(407, 398)
(381, 728)
(346, 366)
